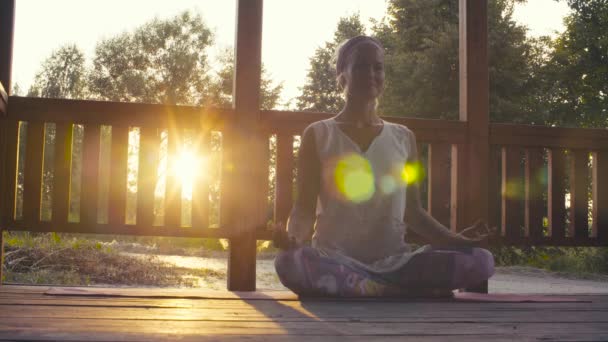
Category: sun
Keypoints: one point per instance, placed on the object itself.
(187, 167)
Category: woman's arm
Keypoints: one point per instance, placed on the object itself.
(424, 224)
(302, 217)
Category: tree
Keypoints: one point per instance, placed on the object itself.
(163, 61)
(422, 73)
(320, 93)
(221, 84)
(577, 68)
(62, 75)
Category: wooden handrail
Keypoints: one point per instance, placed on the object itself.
(544, 136)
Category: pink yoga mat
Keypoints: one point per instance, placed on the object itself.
(288, 295)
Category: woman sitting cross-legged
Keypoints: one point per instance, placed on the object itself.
(357, 191)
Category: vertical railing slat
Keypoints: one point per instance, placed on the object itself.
(494, 188)
(146, 176)
(62, 172)
(118, 175)
(458, 190)
(90, 175)
(11, 129)
(283, 182)
(556, 191)
(512, 216)
(600, 196)
(533, 217)
(439, 182)
(173, 191)
(579, 213)
(200, 188)
(32, 184)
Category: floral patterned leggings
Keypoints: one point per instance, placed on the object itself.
(436, 271)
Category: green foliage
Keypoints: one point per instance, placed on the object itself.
(320, 93)
(62, 75)
(422, 66)
(163, 61)
(576, 74)
(220, 87)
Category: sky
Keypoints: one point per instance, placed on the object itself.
(292, 29)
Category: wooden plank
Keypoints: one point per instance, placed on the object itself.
(173, 190)
(117, 113)
(10, 136)
(458, 190)
(247, 142)
(32, 183)
(7, 29)
(600, 196)
(149, 144)
(533, 215)
(556, 205)
(118, 175)
(512, 192)
(544, 136)
(494, 188)
(439, 182)
(474, 85)
(90, 175)
(284, 178)
(579, 213)
(200, 188)
(62, 172)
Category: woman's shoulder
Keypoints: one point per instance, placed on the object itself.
(317, 127)
(399, 131)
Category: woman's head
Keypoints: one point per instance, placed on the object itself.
(360, 67)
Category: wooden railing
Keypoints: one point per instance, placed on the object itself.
(528, 171)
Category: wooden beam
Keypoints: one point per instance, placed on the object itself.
(7, 29)
(474, 109)
(244, 197)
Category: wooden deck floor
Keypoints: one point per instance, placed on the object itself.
(34, 313)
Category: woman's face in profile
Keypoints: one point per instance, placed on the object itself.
(364, 72)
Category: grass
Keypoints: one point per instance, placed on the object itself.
(68, 259)
(579, 262)
(54, 259)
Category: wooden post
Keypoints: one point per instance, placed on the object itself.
(472, 159)
(243, 194)
(7, 25)
(7, 28)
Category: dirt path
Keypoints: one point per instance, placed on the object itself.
(506, 280)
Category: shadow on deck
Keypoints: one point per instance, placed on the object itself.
(42, 313)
